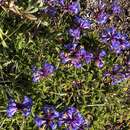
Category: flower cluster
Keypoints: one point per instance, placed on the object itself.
(75, 55)
(100, 16)
(99, 60)
(25, 107)
(82, 23)
(49, 118)
(116, 9)
(116, 40)
(117, 74)
(46, 70)
(70, 119)
(71, 8)
(79, 23)
(102, 12)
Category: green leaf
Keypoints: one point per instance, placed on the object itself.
(20, 44)
(2, 41)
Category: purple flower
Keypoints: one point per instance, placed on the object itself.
(75, 55)
(85, 125)
(74, 7)
(81, 53)
(101, 5)
(73, 60)
(102, 53)
(70, 46)
(71, 119)
(116, 68)
(39, 121)
(76, 62)
(108, 34)
(111, 34)
(25, 107)
(27, 104)
(37, 75)
(116, 46)
(50, 2)
(116, 81)
(99, 63)
(54, 2)
(49, 118)
(128, 61)
(106, 74)
(83, 23)
(62, 2)
(125, 45)
(119, 77)
(102, 18)
(123, 39)
(48, 69)
(127, 75)
(75, 33)
(64, 57)
(51, 11)
(115, 40)
(118, 36)
(116, 8)
(12, 108)
(44, 72)
(88, 57)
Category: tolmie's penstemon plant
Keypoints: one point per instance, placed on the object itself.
(92, 48)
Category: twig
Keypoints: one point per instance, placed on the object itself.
(96, 105)
(10, 6)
